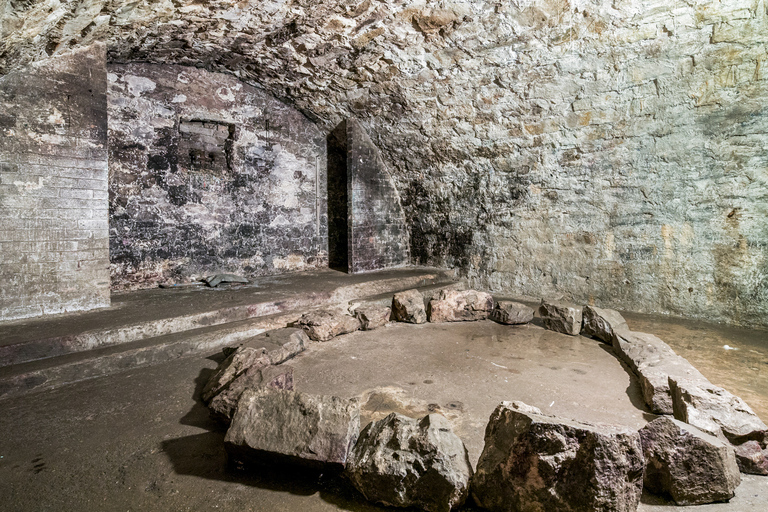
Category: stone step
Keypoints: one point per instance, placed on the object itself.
(52, 372)
(31, 340)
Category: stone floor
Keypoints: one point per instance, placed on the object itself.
(140, 440)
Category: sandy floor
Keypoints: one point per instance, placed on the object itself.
(140, 441)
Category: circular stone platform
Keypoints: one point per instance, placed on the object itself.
(464, 369)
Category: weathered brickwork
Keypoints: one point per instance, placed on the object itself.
(208, 175)
(613, 151)
(53, 186)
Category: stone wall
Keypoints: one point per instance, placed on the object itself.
(612, 151)
(209, 175)
(53, 186)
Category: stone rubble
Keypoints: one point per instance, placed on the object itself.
(752, 458)
(324, 325)
(561, 317)
(408, 306)
(536, 462)
(512, 313)
(687, 464)
(600, 323)
(404, 462)
(283, 426)
(460, 306)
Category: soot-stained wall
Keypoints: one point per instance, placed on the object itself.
(208, 175)
(53, 186)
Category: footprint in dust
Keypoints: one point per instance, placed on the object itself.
(38, 464)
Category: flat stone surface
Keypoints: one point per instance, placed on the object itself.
(405, 462)
(279, 426)
(600, 323)
(687, 464)
(460, 306)
(512, 313)
(654, 362)
(408, 306)
(561, 317)
(536, 462)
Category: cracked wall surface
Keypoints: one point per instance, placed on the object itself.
(609, 151)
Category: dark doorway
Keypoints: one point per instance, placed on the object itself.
(338, 210)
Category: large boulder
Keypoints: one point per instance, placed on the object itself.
(600, 323)
(653, 361)
(688, 465)
(272, 347)
(278, 426)
(512, 313)
(372, 316)
(223, 405)
(460, 306)
(536, 462)
(408, 306)
(561, 317)
(323, 325)
(404, 462)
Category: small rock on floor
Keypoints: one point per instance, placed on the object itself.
(408, 306)
(324, 325)
(561, 317)
(373, 316)
(460, 306)
(223, 405)
(512, 313)
(600, 323)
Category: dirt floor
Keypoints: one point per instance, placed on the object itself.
(140, 440)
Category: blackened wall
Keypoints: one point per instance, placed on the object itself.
(378, 237)
(338, 199)
(53, 186)
(208, 174)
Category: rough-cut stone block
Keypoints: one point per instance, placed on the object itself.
(561, 317)
(512, 313)
(460, 306)
(752, 458)
(271, 347)
(373, 316)
(600, 323)
(408, 306)
(324, 325)
(237, 363)
(716, 411)
(653, 361)
(280, 344)
(223, 405)
(279, 426)
(404, 462)
(687, 464)
(536, 462)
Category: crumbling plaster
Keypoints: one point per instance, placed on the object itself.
(610, 150)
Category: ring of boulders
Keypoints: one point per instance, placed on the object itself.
(692, 453)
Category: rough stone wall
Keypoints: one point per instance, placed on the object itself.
(378, 237)
(53, 186)
(608, 150)
(208, 175)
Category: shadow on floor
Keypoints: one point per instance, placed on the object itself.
(634, 390)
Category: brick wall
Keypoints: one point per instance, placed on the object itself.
(54, 253)
(209, 175)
